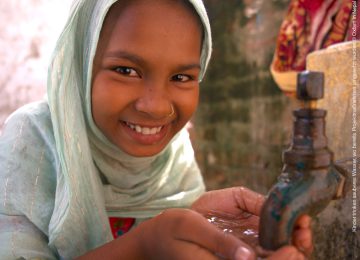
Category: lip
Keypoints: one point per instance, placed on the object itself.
(146, 139)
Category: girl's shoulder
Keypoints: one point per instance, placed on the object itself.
(28, 164)
(27, 132)
(33, 113)
(28, 124)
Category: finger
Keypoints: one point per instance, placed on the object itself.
(303, 221)
(186, 250)
(302, 239)
(194, 228)
(230, 200)
(248, 200)
(215, 200)
(302, 235)
(287, 253)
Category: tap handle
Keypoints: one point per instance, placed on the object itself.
(310, 85)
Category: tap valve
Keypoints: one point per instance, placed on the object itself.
(310, 88)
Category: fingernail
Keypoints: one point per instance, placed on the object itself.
(242, 253)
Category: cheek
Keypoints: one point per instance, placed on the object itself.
(187, 105)
(98, 98)
(96, 101)
(104, 101)
(107, 98)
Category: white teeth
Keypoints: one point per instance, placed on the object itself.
(138, 128)
(144, 130)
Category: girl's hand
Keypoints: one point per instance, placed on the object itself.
(176, 234)
(245, 205)
(185, 234)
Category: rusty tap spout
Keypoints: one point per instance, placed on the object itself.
(309, 178)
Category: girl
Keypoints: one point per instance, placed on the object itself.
(110, 144)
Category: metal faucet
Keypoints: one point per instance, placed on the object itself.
(309, 179)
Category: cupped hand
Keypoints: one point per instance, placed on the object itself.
(176, 234)
(186, 234)
(239, 206)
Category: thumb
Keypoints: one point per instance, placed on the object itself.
(244, 253)
(197, 229)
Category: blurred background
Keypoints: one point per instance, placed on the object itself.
(28, 32)
(244, 120)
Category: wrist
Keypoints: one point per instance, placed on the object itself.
(127, 246)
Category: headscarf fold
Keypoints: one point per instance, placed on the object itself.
(138, 187)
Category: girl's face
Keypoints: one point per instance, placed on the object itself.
(145, 78)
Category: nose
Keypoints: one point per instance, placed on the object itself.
(155, 102)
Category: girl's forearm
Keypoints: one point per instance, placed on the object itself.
(125, 247)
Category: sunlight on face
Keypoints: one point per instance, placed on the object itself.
(145, 79)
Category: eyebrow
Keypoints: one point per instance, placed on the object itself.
(139, 60)
(125, 55)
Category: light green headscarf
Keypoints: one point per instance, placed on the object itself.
(138, 187)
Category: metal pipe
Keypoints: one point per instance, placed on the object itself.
(309, 179)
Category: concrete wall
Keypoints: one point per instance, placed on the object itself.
(244, 120)
(333, 228)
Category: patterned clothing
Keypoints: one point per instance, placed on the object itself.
(119, 226)
(310, 25)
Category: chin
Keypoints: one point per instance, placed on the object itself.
(144, 152)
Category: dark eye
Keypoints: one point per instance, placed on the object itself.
(126, 71)
(181, 78)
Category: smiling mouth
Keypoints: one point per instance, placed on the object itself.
(144, 130)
